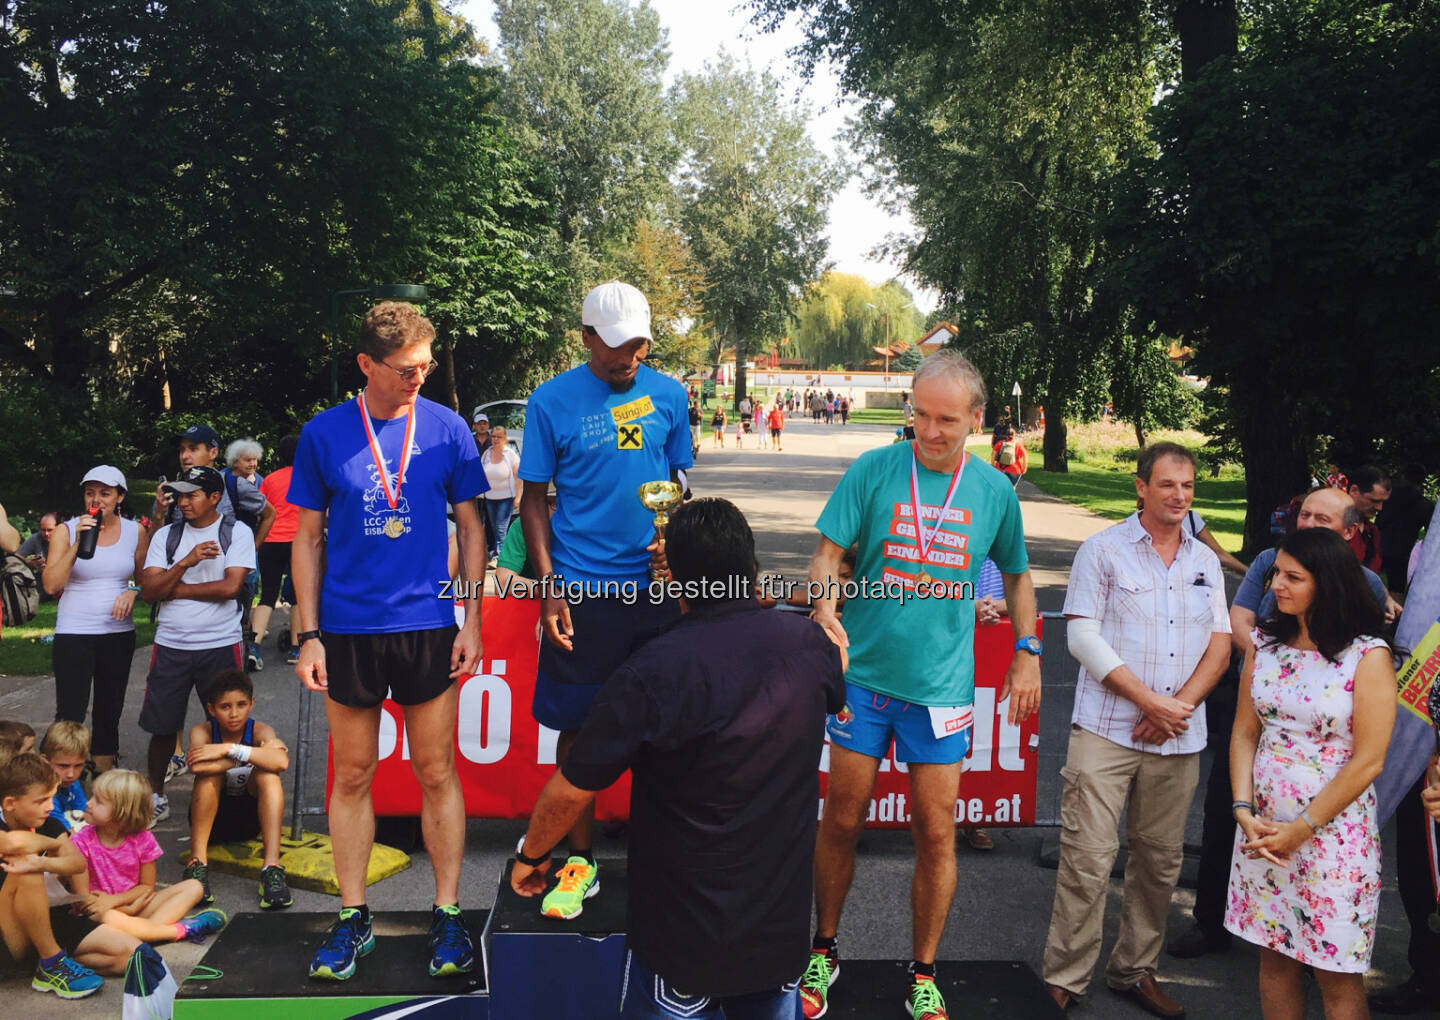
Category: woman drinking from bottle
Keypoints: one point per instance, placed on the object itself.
(91, 568)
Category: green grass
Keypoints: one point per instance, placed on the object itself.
(22, 654)
(1102, 478)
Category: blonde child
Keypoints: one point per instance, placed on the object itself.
(67, 748)
(15, 738)
(739, 434)
(120, 853)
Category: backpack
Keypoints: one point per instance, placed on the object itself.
(1007, 453)
(245, 517)
(19, 591)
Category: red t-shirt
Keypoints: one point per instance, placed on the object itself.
(777, 420)
(287, 518)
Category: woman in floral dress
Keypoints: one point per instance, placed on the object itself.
(1317, 701)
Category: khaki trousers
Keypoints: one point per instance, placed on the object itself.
(1101, 778)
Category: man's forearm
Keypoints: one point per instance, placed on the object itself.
(305, 570)
(208, 591)
(825, 571)
(267, 521)
(1020, 600)
(1207, 674)
(557, 810)
(470, 537)
(1123, 681)
(158, 585)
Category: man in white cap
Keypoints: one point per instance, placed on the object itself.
(598, 431)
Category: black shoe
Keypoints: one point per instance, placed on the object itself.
(200, 873)
(1197, 942)
(1404, 999)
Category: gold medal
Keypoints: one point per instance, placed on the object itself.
(923, 578)
(394, 527)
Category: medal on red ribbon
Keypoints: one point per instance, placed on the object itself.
(923, 541)
(394, 526)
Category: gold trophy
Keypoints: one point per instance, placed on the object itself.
(661, 497)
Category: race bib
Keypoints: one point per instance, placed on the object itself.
(948, 721)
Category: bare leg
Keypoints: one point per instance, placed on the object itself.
(270, 792)
(431, 729)
(847, 801)
(106, 950)
(581, 834)
(933, 789)
(25, 916)
(162, 746)
(204, 804)
(1282, 994)
(260, 621)
(142, 928)
(355, 737)
(170, 904)
(1344, 995)
(103, 763)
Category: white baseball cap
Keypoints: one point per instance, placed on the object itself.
(618, 312)
(105, 475)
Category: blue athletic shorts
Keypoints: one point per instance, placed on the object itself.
(560, 706)
(869, 721)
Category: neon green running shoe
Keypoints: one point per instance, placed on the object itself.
(579, 880)
(820, 974)
(925, 1001)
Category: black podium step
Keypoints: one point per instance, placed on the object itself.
(264, 961)
(604, 914)
(993, 989)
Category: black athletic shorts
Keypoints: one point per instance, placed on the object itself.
(174, 673)
(410, 666)
(237, 818)
(69, 930)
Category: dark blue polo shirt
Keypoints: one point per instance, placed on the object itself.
(721, 720)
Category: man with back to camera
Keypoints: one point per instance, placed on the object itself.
(384, 466)
(1148, 624)
(598, 431)
(724, 760)
(898, 686)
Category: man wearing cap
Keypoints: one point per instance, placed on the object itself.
(199, 447)
(195, 569)
(480, 428)
(371, 623)
(598, 431)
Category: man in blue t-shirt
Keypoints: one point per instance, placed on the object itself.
(379, 472)
(925, 516)
(599, 432)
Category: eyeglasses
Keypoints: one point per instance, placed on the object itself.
(409, 374)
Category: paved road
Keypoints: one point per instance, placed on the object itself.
(1002, 906)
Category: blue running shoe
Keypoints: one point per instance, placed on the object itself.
(199, 927)
(66, 978)
(347, 940)
(450, 949)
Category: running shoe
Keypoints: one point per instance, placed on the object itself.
(274, 890)
(253, 662)
(578, 881)
(293, 655)
(347, 940)
(159, 809)
(450, 949)
(175, 768)
(200, 872)
(925, 1001)
(199, 927)
(820, 974)
(66, 978)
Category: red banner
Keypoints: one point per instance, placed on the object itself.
(504, 757)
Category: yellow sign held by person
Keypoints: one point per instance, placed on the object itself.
(1418, 674)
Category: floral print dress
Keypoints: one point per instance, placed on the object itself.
(1320, 907)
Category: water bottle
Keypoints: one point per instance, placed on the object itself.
(85, 546)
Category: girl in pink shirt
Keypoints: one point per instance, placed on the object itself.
(121, 853)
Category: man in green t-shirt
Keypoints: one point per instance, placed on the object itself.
(909, 627)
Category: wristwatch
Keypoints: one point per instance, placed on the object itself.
(529, 862)
(1029, 644)
(304, 636)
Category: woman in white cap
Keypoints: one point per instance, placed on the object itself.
(95, 626)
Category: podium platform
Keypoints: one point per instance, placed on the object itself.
(526, 952)
(529, 967)
(264, 961)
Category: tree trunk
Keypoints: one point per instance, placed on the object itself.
(1139, 433)
(740, 345)
(1056, 435)
(447, 362)
(1273, 448)
(1207, 29)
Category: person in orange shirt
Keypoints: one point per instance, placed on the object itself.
(777, 425)
(1009, 456)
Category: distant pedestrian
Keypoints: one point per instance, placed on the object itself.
(717, 426)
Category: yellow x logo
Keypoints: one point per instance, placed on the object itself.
(632, 437)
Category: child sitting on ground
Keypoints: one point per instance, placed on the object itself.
(67, 747)
(34, 845)
(120, 852)
(238, 795)
(15, 738)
